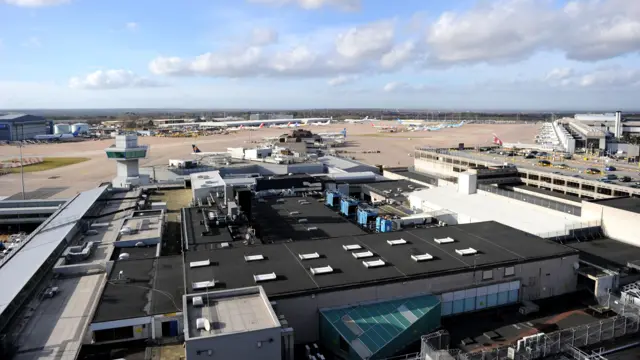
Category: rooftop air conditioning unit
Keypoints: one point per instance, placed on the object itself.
(197, 301)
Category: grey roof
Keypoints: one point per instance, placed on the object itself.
(13, 117)
(23, 263)
(346, 164)
(631, 204)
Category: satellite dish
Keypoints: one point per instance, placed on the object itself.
(576, 265)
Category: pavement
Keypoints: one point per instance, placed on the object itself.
(396, 149)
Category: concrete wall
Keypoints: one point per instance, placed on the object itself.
(263, 344)
(539, 279)
(617, 224)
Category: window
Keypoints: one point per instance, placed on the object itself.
(509, 271)
(487, 275)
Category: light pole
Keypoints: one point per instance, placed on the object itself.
(21, 171)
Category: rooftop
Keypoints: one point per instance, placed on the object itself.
(410, 173)
(142, 228)
(299, 218)
(496, 244)
(146, 287)
(229, 311)
(393, 190)
(608, 252)
(631, 204)
(555, 194)
(12, 117)
(195, 230)
(23, 263)
(520, 215)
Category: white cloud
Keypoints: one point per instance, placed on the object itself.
(398, 86)
(111, 79)
(342, 80)
(348, 5)
(559, 74)
(399, 55)
(36, 3)
(32, 42)
(131, 26)
(366, 41)
(264, 36)
(510, 30)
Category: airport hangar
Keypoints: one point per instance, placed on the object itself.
(440, 161)
(16, 127)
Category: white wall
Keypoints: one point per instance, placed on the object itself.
(617, 224)
(240, 346)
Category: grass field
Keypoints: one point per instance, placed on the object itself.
(51, 163)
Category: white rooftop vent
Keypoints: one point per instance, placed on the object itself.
(203, 285)
(312, 228)
(421, 257)
(302, 220)
(351, 247)
(264, 277)
(280, 201)
(465, 252)
(305, 203)
(321, 270)
(373, 263)
(446, 240)
(362, 255)
(197, 264)
(224, 245)
(203, 324)
(249, 258)
(314, 255)
(294, 213)
(396, 242)
(197, 301)
(123, 256)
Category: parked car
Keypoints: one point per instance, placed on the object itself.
(610, 168)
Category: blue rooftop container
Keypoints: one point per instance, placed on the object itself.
(365, 213)
(332, 198)
(347, 206)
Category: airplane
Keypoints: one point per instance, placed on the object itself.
(496, 140)
(410, 122)
(321, 123)
(254, 128)
(241, 127)
(383, 126)
(58, 137)
(197, 151)
(354, 121)
(455, 125)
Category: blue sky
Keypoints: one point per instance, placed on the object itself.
(489, 54)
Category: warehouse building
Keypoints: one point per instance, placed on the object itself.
(443, 270)
(17, 127)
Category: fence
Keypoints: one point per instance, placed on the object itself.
(580, 231)
(436, 346)
(532, 199)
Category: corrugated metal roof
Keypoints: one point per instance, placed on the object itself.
(23, 263)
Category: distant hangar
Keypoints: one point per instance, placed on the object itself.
(16, 127)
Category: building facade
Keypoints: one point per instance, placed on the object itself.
(17, 127)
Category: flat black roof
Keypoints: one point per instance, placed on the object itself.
(389, 189)
(607, 251)
(278, 219)
(135, 253)
(194, 231)
(631, 204)
(497, 245)
(410, 173)
(134, 297)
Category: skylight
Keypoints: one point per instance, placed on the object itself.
(373, 263)
(361, 255)
(264, 277)
(312, 228)
(421, 257)
(294, 213)
(314, 255)
(446, 240)
(249, 258)
(351, 247)
(203, 285)
(197, 301)
(302, 220)
(197, 264)
(465, 252)
(396, 242)
(321, 270)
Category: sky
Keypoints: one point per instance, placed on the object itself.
(435, 54)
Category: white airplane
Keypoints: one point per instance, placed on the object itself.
(196, 151)
(355, 121)
(383, 126)
(254, 128)
(232, 129)
(321, 123)
(57, 137)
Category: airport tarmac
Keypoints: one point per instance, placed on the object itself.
(395, 150)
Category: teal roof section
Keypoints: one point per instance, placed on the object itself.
(368, 328)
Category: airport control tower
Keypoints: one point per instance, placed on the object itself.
(127, 152)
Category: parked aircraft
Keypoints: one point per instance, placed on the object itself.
(57, 137)
(497, 140)
(383, 126)
(321, 123)
(356, 121)
(197, 151)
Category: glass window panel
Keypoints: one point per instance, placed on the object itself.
(458, 306)
(469, 304)
(513, 296)
(447, 308)
(481, 302)
(503, 297)
(492, 300)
